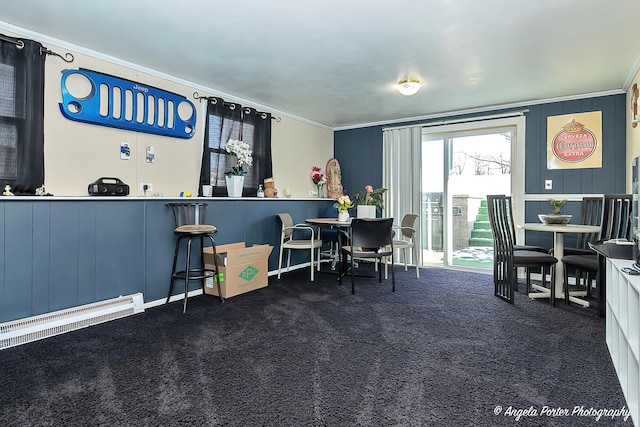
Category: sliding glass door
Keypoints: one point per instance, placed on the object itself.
(459, 169)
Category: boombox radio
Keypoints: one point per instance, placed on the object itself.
(108, 187)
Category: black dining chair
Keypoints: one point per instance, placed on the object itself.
(506, 259)
(369, 238)
(615, 224)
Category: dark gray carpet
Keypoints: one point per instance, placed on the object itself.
(441, 351)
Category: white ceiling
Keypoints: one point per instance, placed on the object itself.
(336, 62)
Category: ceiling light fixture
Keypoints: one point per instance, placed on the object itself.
(409, 86)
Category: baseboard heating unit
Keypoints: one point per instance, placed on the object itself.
(46, 325)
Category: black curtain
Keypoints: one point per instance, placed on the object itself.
(21, 115)
(227, 120)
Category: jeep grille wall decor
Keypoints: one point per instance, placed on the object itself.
(101, 99)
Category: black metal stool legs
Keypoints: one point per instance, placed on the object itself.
(189, 273)
(173, 269)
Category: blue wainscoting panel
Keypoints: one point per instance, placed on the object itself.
(61, 253)
(87, 256)
(119, 249)
(40, 265)
(64, 256)
(18, 271)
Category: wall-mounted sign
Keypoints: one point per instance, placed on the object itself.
(101, 99)
(574, 141)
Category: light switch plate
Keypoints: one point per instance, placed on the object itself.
(548, 184)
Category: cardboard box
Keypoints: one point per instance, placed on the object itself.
(243, 269)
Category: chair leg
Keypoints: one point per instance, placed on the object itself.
(393, 275)
(280, 261)
(404, 257)
(552, 285)
(311, 267)
(186, 276)
(565, 284)
(353, 286)
(216, 276)
(173, 269)
(415, 258)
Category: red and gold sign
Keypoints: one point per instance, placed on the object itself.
(574, 141)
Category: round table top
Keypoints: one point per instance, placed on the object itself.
(328, 221)
(557, 228)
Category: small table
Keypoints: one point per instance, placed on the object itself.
(558, 252)
(328, 221)
(333, 222)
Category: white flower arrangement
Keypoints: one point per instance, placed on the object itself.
(343, 203)
(243, 156)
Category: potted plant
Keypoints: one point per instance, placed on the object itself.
(556, 217)
(343, 204)
(369, 201)
(235, 177)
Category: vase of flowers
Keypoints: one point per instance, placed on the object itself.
(369, 201)
(343, 204)
(318, 179)
(241, 153)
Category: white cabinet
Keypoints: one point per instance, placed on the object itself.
(623, 328)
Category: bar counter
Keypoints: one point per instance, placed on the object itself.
(61, 252)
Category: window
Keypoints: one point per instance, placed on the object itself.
(226, 121)
(21, 115)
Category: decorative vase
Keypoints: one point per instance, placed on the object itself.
(320, 191)
(235, 183)
(343, 216)
(365, 211)
(554, 219)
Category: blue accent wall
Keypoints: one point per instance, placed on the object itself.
(59, 253)
(359, 152)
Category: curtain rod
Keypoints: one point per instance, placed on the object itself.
(515, 113)
(198, 97)
(19, 43)
(68, 57)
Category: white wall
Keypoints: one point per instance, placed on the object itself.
(77, 154)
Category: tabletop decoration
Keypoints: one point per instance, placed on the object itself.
(235, 177)
(371, 197)
(343, 204)
(556, 217)
(318, 179)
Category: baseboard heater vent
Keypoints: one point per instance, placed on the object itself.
(46, 325)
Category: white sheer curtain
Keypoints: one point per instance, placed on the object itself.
(401, 174)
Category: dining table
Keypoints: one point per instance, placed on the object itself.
(559, 230)
(332, 255)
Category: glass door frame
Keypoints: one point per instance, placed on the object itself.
(518, 123)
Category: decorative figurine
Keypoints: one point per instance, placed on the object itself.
(270, 190)
(7, 190)
(334, 179)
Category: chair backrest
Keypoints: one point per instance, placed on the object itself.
(409, 220)
(590, 214)
(188, 213)
(616, 216)
(287, 221)
(371, 232)
(501, 220)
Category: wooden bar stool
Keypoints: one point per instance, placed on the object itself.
(190, 225)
